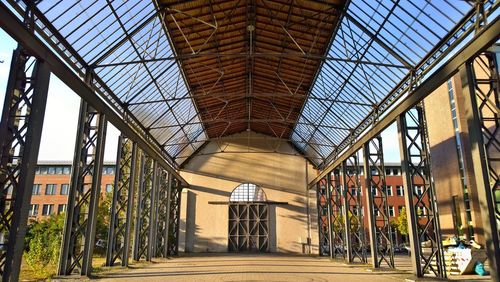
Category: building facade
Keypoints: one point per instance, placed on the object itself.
(51, 187)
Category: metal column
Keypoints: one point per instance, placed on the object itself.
(323, 221)
(81, 216)
(161, 249)
(20, 132)
(337, 221)
(328, 202)
(174, 217)
(122, 203)
(480, 80)
(145, 205)
(355, 233)
(421, 206)
(152, 213)
(376, 202)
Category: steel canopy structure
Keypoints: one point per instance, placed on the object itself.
(185, 72)
(327, 76)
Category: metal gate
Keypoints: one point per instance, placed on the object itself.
(248, 227)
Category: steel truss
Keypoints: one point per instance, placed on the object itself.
(337, 219)
(353, 211)
(376, 200)
(421, 206)
(323, 221)
(481, 82)
(162, 214)
(174, 218)
(83, 198)
(20, 132)
(144, 221)
(122, 203)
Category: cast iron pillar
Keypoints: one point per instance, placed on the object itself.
(20, 132)
(83, 198)
(145, 206)
(355, 232)
(161, 249)
(338, 232)
(174, 217)
(122, 203)
(376, 203)
(480, 81)
(323, 221)
(420, 198)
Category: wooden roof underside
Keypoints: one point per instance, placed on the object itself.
(243, 79)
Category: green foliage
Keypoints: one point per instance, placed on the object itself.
(401, 223)
(43, 242)
(103, 220)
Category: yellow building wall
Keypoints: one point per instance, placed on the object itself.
(248, 157)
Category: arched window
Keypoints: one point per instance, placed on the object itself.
(248, 192)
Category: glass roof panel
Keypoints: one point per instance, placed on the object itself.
(373, 50)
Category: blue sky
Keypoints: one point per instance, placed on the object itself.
(61, 116)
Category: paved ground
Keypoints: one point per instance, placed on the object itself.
(255, 267)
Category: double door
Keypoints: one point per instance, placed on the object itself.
(248, 227)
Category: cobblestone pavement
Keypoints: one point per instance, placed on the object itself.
(251, 267)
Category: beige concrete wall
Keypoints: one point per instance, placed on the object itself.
(444, 158)
(247, 157)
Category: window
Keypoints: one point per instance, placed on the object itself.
(387, 171)
(396, 171)
(50, 189)
(400, 191)
(247, 192)
(388, 190)
(421, 211)
(61, 209)
(109, 188)
(391, 211)
(43, 170)
(64, 189)
(33, 210)
(108, 170)
(66, 170)
(374, 191)
(59, 170)
(419, 190)
(377, 212)
(47, 209)
(37, 188)
(37, 170)
(51, 170)
(354, 191)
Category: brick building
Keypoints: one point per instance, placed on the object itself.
(51, 187)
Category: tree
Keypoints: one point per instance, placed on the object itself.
(401, 224)
(43, 243)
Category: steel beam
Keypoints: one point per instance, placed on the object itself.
(174, 218)
(81, 215)
(354, 211)
(323, 221)
(15, 28)
(20, 133)
(480, 82)
(162, 215)
(376, 203)
(329, 214)
(337, 220)
(145, 204)
(482, 40)
(420, 198)
(118, 246)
